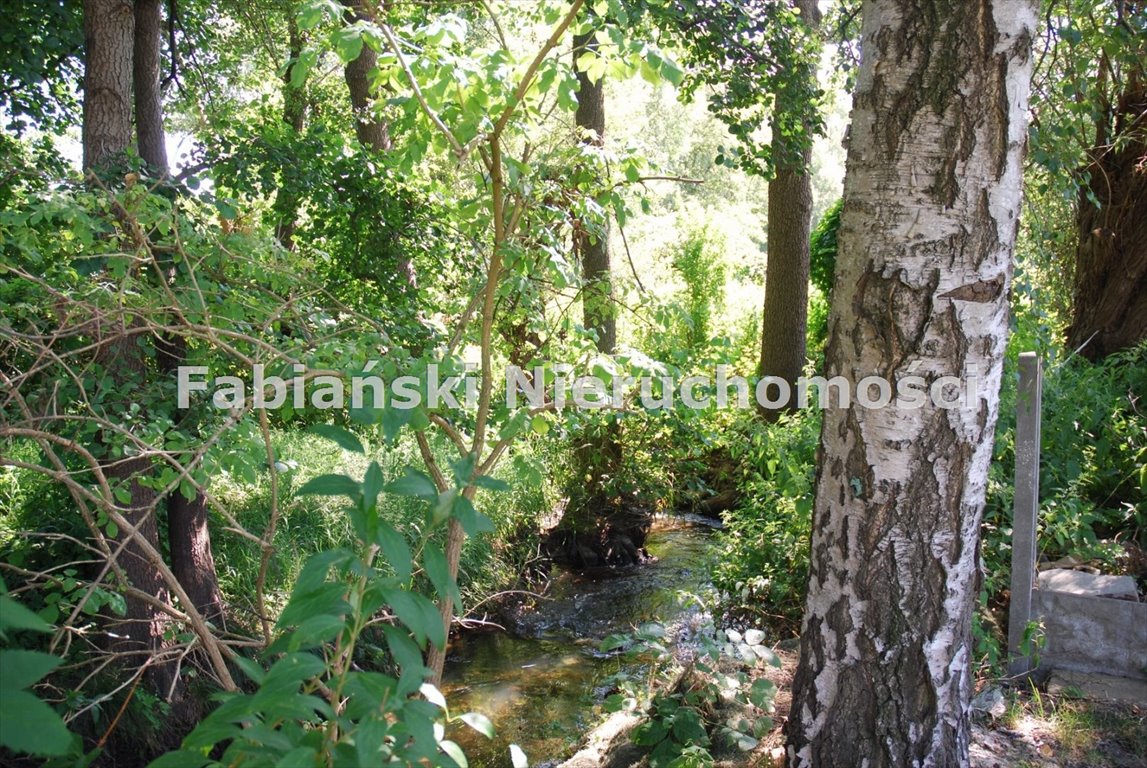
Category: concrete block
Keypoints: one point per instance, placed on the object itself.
(1092, 634)
(1084, 583)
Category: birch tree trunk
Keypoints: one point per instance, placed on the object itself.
(931, 203)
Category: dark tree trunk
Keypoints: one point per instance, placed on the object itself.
(109, 42)
(1110, 304)
(287, 199)
(601, 526)
(593, 251)
(148, 96)
(108, 33)
(785, 318)
(931, 205)
(188, 534)
(372, 130)
(141, 631)
(192, 560)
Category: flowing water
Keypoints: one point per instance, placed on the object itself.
(540, 683)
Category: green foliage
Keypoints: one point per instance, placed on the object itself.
(753, 60)
(823, 248)
(763, 566)
(40, 67)
(713, 697)
(30, 725)
(822, 265)
(697, 260)
(312, 702)
(1094, 49)
(1093, 488)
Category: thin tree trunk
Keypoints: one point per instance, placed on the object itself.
(192, 560)
(188, 534)
(108, 31)
(148, 96)
(287, 199)
(931, 204)
(1110, 303)
(597, 295)
(141, 631)
(372, 130)
(109, 39)
(785, 319)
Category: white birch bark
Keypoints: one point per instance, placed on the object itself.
(932, 201)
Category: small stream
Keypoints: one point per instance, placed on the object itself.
(540, 683)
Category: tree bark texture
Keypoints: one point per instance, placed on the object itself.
(188, 534)
(192, 560)
(931, 204)
(372, 130)
(150, 140)
(108, 43)
(593, 251)
(287, 198)
(785, 320)
(141, 630)
(1110, 303)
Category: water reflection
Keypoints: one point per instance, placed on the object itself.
(541, 683)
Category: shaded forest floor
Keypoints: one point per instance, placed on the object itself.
(1036, 728)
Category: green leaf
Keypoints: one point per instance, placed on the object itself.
(403, 649)
(479, 723)
(300, 68)
(463, 470)
(252, 669)
(15, 616)
(299, 757)
(21, 669)
(395, 550)
(434, 561)
(473, 522)
(762, 692)
(343, 437)
(372, 484)
(315, 631)
(433, 695)
(518, 757)
(410, 609)
(412, 483)
(348, 44)
(331, 485)
(746, 743)
(444, 506)
(315, 571)
(30, 725)
(455, 753)
(491, 483)
(326, 599)
(393, 420)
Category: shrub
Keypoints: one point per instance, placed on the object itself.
(763, 565)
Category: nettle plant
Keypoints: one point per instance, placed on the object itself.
(706, 695)
(314, 705)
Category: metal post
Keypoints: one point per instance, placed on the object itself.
(1028, 398)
